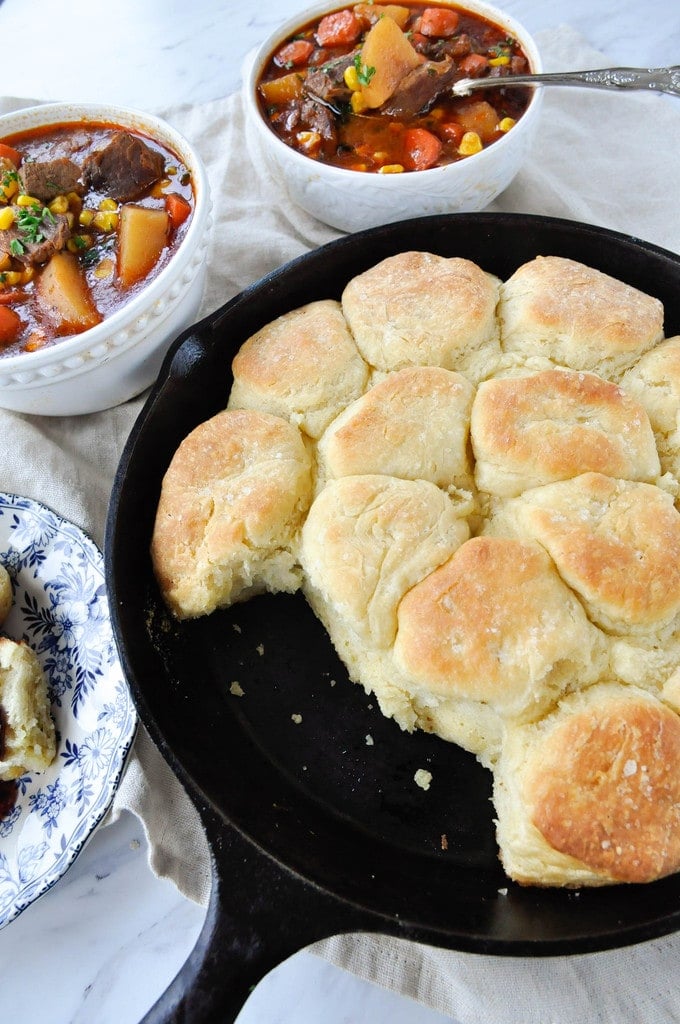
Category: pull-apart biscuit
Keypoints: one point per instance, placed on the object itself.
(304, 367)
(495, 625)
(418, 309)
(28, 737)
(655, 382)
(557, 424)
(6, 593)
(590, 795)
(577, 316)
(231, 504)
(414, 424)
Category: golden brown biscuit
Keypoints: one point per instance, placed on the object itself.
(304, 367)
(366, 541)
(556, 424)
(418, 309)
(28, 736)
(615, 542)
(495, 624)
(414, 424)
(6, 594)
(655, 382)
(591, 794)
(231, 504)
(577, 316)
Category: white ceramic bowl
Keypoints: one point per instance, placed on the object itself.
(352, 200)
(120, 357)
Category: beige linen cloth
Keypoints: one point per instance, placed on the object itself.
(611, 160)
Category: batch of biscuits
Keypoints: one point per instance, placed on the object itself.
(474, 484)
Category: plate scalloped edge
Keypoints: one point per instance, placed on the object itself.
(61, 610)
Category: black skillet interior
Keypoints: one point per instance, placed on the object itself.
(323, 815)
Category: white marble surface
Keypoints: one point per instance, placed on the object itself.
(104, 943)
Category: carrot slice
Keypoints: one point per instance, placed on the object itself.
(342, 28)
(10, 325)
(9, 153)
(473, 66)
(422, 149)
(295, 53)
(438, 22)
(178, 209)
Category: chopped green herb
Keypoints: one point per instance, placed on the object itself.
(364, 73)
(16, 247)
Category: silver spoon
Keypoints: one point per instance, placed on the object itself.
(657, 79)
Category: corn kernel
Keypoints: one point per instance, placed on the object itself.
(59, 204)
(351, 77)
(308, 141)
(85, 218)
(25, 200)
(108, 204)
(358, 103)
(506, 123)
(171, 171)
(12, 277)
(390, 169)
(9, 188)
(470, 144)
(105, 220)
(75, 202)
(499, 62)
(5, 261)
(160, 187)
(27, 275)
(6, 218)
(104, 269)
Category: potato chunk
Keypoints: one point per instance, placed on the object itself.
(63, 291)
(389, 52)
(142, 236)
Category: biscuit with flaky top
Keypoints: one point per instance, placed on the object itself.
(419, 309)
(231, 504)
(616, 543)
(655, 382)
(6, 593)
(556, 424)
(414, 424)
(591, 794)
(577, 317)
(303, 366)
(496, 627)
(366, 541)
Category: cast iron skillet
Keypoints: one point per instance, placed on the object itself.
(314, 830)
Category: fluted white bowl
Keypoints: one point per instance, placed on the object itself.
(120, 357)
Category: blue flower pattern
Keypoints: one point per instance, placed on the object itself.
(61, 611)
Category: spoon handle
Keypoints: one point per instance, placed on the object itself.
(657, 79)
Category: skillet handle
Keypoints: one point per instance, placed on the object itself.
(259, 914)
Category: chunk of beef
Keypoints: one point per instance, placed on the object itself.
(50, 235)
(308, 114)
(45, 179)
(327, 82)
(124, 169)
(420, 88)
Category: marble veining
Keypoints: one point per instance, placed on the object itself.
(106, 940)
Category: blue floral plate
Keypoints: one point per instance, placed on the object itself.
(61, 610)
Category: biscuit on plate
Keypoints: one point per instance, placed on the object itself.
(418, 309)
(27, 736)
(414, 424)
(304, 367)
(655, 382)
(577, 316)
(556, 424)
(616, 543)
(6, 593)
(493, 628)
(591, 794)
(231, 504)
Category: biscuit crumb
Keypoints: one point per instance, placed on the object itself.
(235, 626)
(502, 892)
(296, 718)
(260, 650)
(444, 841)
(235, 689)
(369, 740)
(423, 778)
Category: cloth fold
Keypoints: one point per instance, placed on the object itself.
(588, 164)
